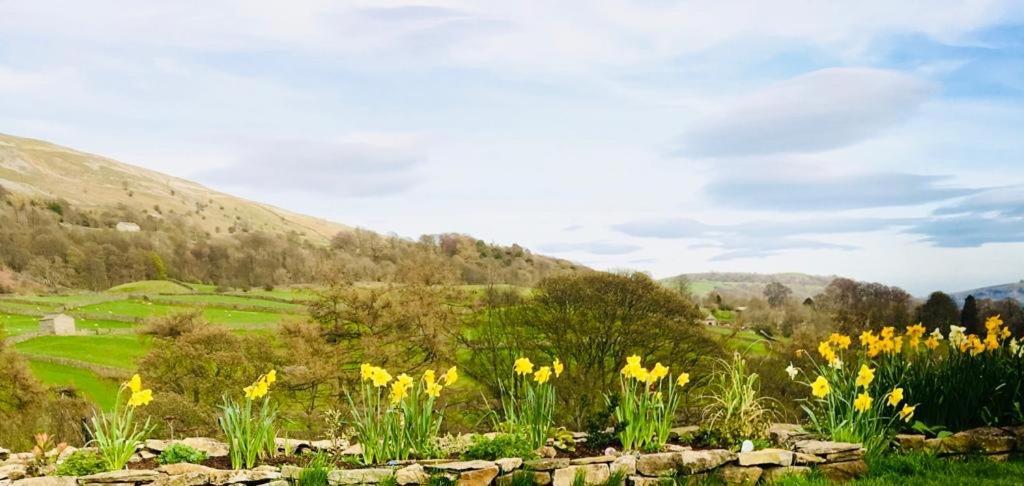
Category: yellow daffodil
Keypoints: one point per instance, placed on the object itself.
(683, 379)
(1005, 333)
(542, 375)
(429, 377)
(380, 377)
(658, 372)
(992, 324)
(917, 330)
(558, 367)
(895, 397)
(399, 390)
(863, 402)
(897, 344)
(642, 374)
(135, 384)
(907, 412)
(992, 342)
(839, 340)
(931, 342)
(140, 398)
(820, 387)
(271, 377)
(867, 337)
(826, 352)
(404, 379)
(888, 332)
(865, 376)
(523, 366)
(366, 371)
(451, 376)
(434, 389)
(632, 366)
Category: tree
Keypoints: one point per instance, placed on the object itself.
(856, 306)
(969, 316)
(777, 294)
(1009, 310)
(938, 312)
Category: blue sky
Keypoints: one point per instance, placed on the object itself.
(876, 140)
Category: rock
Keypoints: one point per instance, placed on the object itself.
(773, 474)
(991, 440)
(997, 457)
(4, 454)
(295, 445)
(591, 460)
(787, 434)
(537, 478)
(688, 462)
(547, 452)
(479, 477)
(910, 442)
(185, 479)
(801, 458)
(932, 446)
(156, 446)
(13, 471)
(645, 481)
(677, 448)
(821, 447)
(20, 458)
(546, 464)
(328, 445)
(185, 468)
(771, 457)
(591, 473)
(353, 450)
(211, 447)
(509, 464)
(47, 481)
(461, 465)
(260, 474)
(739, 475)
(843, 471)
(685, 432)
(626, 464)
(279, 482)
(291, 472)
(359, 476)
(412, 474)
(125, 476)
(845, 456)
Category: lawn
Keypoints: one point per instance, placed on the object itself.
(229, 300)
(742, 341)
(115, 351)
(27, 309)
(920, 469)
(14, 324)
(151, 287)
(143, 309)
(100, 391)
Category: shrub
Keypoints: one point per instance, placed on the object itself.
(499, 446)
(176, 453)
(402, 422)
(250, 433)
(175, 325)
(647, 405)
(116, 434)
(734, 410)
(81, 463)
(315, 473)
(529, 406)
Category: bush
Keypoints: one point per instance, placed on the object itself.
(176, 453)
(81, 463)
(735, 411)
(499, 446)
(175, 325)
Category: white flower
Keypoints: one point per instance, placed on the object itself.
(956, 335)
(836, 363)
(1016, 348)
(937, 334)
(791, 371)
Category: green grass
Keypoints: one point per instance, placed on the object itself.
(743, 341)
(918, 469)
(150, 287)
(114, 351)
(724, 315)
(14, 324)
(70, 300)
(27, 309)
(292, 293)
(100, 391)
(143, 309)
(700, 288)
(229, 300)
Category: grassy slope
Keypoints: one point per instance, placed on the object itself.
(114, 351)
(229, 300)
(150, 287)
(927, 470)
(100, 391)
(143, 309)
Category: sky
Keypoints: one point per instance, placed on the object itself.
(877, 140)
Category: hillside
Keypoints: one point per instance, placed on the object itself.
(42, 170)
(63, 216)
(994, 292)
(744, 285)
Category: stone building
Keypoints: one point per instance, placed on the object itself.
(58, 324)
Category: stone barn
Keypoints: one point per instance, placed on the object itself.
(59, 324)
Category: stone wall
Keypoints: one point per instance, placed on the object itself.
(994, 443)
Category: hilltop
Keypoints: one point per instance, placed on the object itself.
(42, 170)
(744, 285)
(70, 219)
(995, 292)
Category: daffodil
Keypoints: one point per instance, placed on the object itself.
(865, 376)
(863, 402)
(558, 367)
(429, 377)
(523, 366)
(140, 398)
(380, 377)
(792, 371)
(366, 371)
(434, 389)
(632, 366)
(931, 342)
(658, 372)
(135, 384)
(839, 340)
(895, 397)
(542, 375)
(820, 387)
(451, 376)
(683, 379)
(907, 412)
(399, 391)
(992, 324)
(836, 363)
(271, 377)
(405, 380)
(826, 352)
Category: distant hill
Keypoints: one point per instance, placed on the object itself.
(745, 285)
(43, 170)
(994, 292)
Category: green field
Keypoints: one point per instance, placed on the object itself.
(297, 293)
(69, 300)
(113, 351)
(743, 340)
(232, 300)
(151, 287)
(100, 391)
(15, 324)
(142, 309)
(27, 309)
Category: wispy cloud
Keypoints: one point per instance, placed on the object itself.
(1003, 201)
(968, 231)
(853, 191)
(822, 110)
(593, 247)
